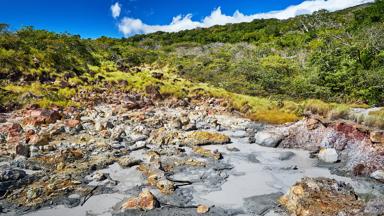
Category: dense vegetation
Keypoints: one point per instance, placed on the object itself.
(335, 57)
(332, 56)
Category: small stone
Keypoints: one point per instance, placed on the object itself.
(33, 193)
(99, 176)
(202, 209)
(166, 186)
(145, 201)
(207, 153)
(328, 155)
(378, 175)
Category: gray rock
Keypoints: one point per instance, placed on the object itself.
(11, 174)
(268, 139)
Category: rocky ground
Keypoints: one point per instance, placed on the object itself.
(126, 154)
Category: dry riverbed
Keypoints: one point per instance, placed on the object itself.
(181, 157)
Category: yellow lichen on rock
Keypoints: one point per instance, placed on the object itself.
(197, 138)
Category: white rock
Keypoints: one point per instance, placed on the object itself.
(328, 155)
(378, 175)
(268, 139)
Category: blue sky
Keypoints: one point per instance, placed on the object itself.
(93, 18)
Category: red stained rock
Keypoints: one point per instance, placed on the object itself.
(39, 140)
(41, 116)
(13, 132)
(351, 131)
(72, 123)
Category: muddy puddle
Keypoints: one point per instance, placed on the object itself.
(254, 176)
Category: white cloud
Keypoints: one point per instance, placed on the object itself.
(129, 26)
(116, 10)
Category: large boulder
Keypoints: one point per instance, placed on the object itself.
(268, 139)
(321, 196)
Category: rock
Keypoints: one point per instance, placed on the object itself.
(176, 124)
(72, 123)
(118, 133)
(99, 126)
(12, 132)
(202, 209)
(163, 137)
(312, 123)
(128, 162)
(197, 138)
(207, 153)
(145, 201)
(377, 137)
(41, 116)
(321, 196)
(286, 155)
(268, 139)
(39, 140)
(33, 193)
(328, 155)
(165, 186)
(239, 134)
(11, 174)
(22, 150)
(378, 175)
(99, 176)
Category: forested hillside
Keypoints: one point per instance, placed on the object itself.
(334, 57)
